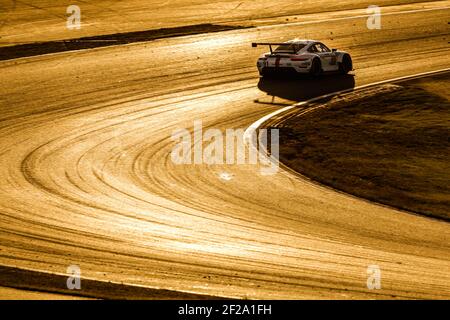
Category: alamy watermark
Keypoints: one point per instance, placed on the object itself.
(74, 280)
(215, 147)
(374, 277)
(374, 19)
(74, 19)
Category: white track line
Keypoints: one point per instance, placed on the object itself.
(251, 130)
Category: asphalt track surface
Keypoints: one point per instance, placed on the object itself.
(87, 178)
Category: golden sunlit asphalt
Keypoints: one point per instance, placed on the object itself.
(87, 178)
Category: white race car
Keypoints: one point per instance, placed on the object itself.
(303, 56)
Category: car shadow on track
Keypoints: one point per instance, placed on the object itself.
(302, 88)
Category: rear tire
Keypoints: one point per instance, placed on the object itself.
(316, 68)
(346, 65)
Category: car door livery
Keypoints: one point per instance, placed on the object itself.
(327, 57)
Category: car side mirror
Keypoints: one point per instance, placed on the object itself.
(334, 50)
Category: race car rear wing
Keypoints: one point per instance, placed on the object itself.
(270, 44)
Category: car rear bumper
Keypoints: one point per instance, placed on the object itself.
(282, 70)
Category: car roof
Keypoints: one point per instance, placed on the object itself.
(302, 41)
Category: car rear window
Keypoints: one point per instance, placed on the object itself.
(290, 47)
